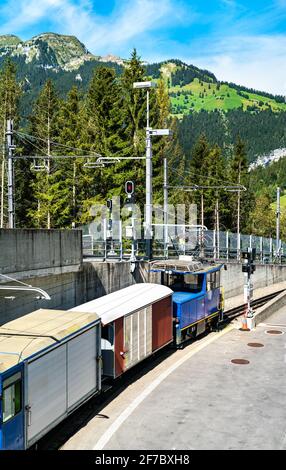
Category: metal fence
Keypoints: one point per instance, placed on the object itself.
(177, 240)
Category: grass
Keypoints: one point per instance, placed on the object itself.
(282, 203)
(201, 95)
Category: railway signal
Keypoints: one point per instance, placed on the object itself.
(129, 189)
(248, 269)
(109, 204)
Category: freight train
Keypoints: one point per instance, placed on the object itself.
(52, 361)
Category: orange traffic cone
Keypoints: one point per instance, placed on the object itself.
(244, 324)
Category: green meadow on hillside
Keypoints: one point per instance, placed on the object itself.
(199, 95)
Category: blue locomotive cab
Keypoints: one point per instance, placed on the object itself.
(197, 297)
(11, 410)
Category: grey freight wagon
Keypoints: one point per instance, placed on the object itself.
(50, 363)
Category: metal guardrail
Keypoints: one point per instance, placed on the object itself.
(206, 243)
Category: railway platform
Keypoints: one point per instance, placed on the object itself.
(224, 391)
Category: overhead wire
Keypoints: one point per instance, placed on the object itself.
(21, 134)
(231, 183)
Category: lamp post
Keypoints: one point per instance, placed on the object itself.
(10, 147)
(278, 212)
(148, 204)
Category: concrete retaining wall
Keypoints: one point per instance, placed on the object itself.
(265, 275)
(43, 251)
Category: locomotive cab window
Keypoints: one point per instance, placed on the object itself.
(12, 397)
(184, 282)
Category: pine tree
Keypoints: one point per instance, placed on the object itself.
(102, 107)
(132, 120)
(177, 166)
(213, 171)
(240, 202)
(43, 127)
(69, 177)
(199, 158)
(199, 155)
(103, 133)
(162, 145)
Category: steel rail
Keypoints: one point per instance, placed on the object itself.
(255, 304)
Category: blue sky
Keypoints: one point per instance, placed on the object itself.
(240, 41)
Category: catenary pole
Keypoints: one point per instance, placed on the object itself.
(165, 208)
(9, 134)
(148, 209)
(278, 212)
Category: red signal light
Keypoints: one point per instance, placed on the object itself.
(129, 187)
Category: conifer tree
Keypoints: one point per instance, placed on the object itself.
(103, 133)
(177, 166)
(199, 158)
(162, 145)
(43, 127)
(69, 176)
(213, 172)
(132, 106)
(240, 202)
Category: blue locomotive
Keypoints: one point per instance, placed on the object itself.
(198, 299)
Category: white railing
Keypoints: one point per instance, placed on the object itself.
(175, 240)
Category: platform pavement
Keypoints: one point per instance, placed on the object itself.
(233, 302)
(198, 399)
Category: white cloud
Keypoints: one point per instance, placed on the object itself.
(20, 14)
(128, 20)
(254, 61)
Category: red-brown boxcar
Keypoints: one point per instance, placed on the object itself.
(136, 322)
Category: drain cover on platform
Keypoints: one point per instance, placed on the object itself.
(255, 345)
(240, 361)
(274, 332)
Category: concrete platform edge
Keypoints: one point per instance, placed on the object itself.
(269, 308)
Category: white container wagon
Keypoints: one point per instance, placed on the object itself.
(50, 363)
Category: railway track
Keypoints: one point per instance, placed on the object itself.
(255, 304)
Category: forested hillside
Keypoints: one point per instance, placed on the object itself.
(261, 131)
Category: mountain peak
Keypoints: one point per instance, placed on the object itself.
(55, 39)
(48, 50)
(9, 40)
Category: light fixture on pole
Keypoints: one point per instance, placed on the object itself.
(10, 148)
(149, 133)
(278, 213)
(148, 204)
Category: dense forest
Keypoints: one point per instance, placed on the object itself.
(261, 131)
(109, 118)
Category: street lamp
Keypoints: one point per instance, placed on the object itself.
(148, 215)
(149, 133)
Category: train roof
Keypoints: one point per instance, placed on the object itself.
(30, 334)
(184, 265)
(112, 306)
